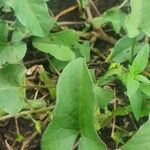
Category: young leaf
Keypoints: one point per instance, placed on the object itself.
(82, 50)
(122, 49)
(74, 111)
(103, 96)
(85, 50)
(97, 22)
(11, 91)
(141, 60)
(12, 52)
(33, 14)
(108, 77)
(113, 16)
(140, 140)
(121, 45)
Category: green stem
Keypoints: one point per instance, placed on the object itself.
(27, 112)
(52, 66)
(132, 50)
(35, 86)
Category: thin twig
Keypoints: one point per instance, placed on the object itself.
(94, 6)
(123, 4)
(89, 14)
(76, 145)
(65, 23)
(28, 140)
(8, 146)
(99, 33)
(17, 126)
(66, 11)
(52, 66)
(114, 119)
(35, 61)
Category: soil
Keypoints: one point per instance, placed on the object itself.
(9, 128)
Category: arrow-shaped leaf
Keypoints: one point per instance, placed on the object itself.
(74, 111)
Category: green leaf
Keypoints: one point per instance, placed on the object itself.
(132, 85)
(6, 8)
(58, 44)
(60, 52)
(74, 111)
(103, 96)
(12, 52)
(33, 14)
(113, 16)
(145, 15)
(19, 32)
(134, 95)
(82, 50)
(37, 125)
(140, 140)
(97, 22)
(121, 45)
(139, 18)
(48, 82)
(145, 111)
(60, 65)
(136, 103)
(142, 79)
(67, 37)
(141, 60)
(145, 88)
(1, 3)
(122, 111)
(108, 77)
(122, 49)
(11, 92)
(19, 137)
(134, 19)
(85, 50)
